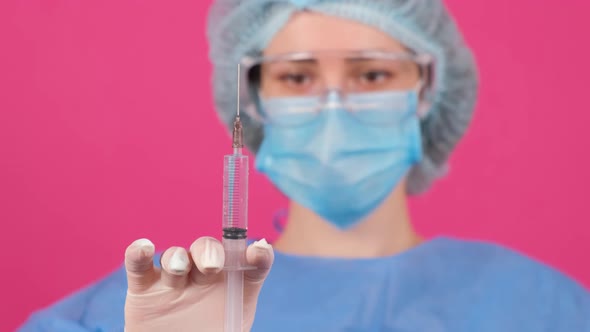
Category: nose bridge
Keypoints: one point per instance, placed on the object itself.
(332, 101)
(333, 129)
(333, 73)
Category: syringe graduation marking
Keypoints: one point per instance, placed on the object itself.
(233, 195)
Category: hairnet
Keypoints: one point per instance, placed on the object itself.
(244, 27)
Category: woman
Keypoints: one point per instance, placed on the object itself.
(351, 106)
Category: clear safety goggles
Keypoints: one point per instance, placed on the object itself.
(286, 86)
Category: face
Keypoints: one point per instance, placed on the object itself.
(322, 35)
(364, 131)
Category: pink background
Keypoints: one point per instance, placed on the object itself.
(107, 134)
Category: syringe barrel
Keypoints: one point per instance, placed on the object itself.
(235, 196)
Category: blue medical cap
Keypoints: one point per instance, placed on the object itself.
(244, 27)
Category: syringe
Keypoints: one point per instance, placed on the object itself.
(235, 225)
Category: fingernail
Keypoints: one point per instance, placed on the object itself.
(262, 249)
(262, 244)
(178, 261)
(146, 247)
(211, 259)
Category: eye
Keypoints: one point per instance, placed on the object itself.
(295, 79)
(376, 76)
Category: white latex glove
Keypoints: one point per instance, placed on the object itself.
(188, 293)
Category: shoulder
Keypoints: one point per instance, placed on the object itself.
(98, 306)
(498, 261)
(509, 278)
(495, 259)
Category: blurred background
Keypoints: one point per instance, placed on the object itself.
(108, 134)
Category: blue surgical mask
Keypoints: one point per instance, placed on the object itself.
(338, 165)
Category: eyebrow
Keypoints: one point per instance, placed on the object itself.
(316, 61)
(402, 64)
(306, 61)
(359, 59)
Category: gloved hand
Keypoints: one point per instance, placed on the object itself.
(188, 293)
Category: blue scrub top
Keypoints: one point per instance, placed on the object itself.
(444, 284)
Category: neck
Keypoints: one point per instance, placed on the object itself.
(386, 231)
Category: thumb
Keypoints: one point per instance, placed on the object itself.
(260, 255)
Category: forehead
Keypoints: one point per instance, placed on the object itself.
(309, 31)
